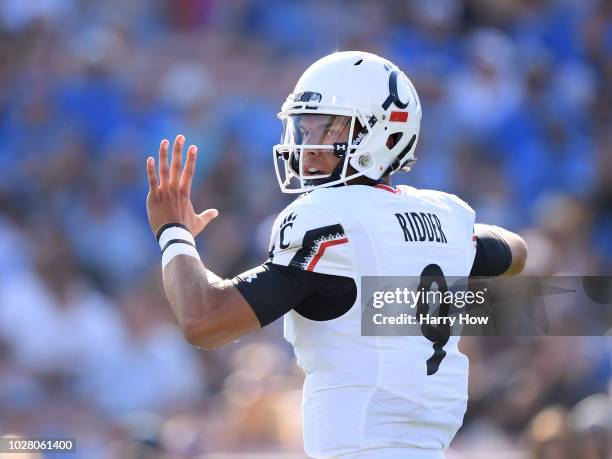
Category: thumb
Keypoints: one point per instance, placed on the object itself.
(207, 216)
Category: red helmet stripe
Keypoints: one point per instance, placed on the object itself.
(402, 117)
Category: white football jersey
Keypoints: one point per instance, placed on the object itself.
(370, 396)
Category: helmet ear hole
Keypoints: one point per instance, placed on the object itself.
(393, 140)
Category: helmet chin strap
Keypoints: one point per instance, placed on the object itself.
(335, 175)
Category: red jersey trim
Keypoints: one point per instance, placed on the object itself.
(321, 251)
(382, 186)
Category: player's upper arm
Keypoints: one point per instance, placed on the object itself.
(498, 252)
(273, 290)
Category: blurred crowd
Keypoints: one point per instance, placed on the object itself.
(517, 105)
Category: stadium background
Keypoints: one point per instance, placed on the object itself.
(517, 106)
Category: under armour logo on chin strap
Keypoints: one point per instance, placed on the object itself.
(340, 149)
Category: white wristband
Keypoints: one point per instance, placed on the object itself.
(178, 248)
(175, 240)
(175, 233)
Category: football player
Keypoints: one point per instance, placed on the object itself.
(351, 122)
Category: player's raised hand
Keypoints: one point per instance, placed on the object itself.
(169, 198)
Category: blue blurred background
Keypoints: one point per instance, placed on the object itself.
(517, 109)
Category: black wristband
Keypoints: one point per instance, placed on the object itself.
(169, 225)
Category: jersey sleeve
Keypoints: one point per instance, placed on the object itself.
(273, 290)
(309, 238)
(493, 255)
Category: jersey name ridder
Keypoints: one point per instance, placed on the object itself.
(421, 226)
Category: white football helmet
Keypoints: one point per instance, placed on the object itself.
(362, 100)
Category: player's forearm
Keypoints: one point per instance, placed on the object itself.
(194, 293)
(210, 310)
(514, 242)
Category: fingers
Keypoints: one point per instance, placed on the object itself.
(152, 175)
(177, 161)
(170, 176)
(209, 214)
(206, 217)
(164, 175)
(189, 170)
